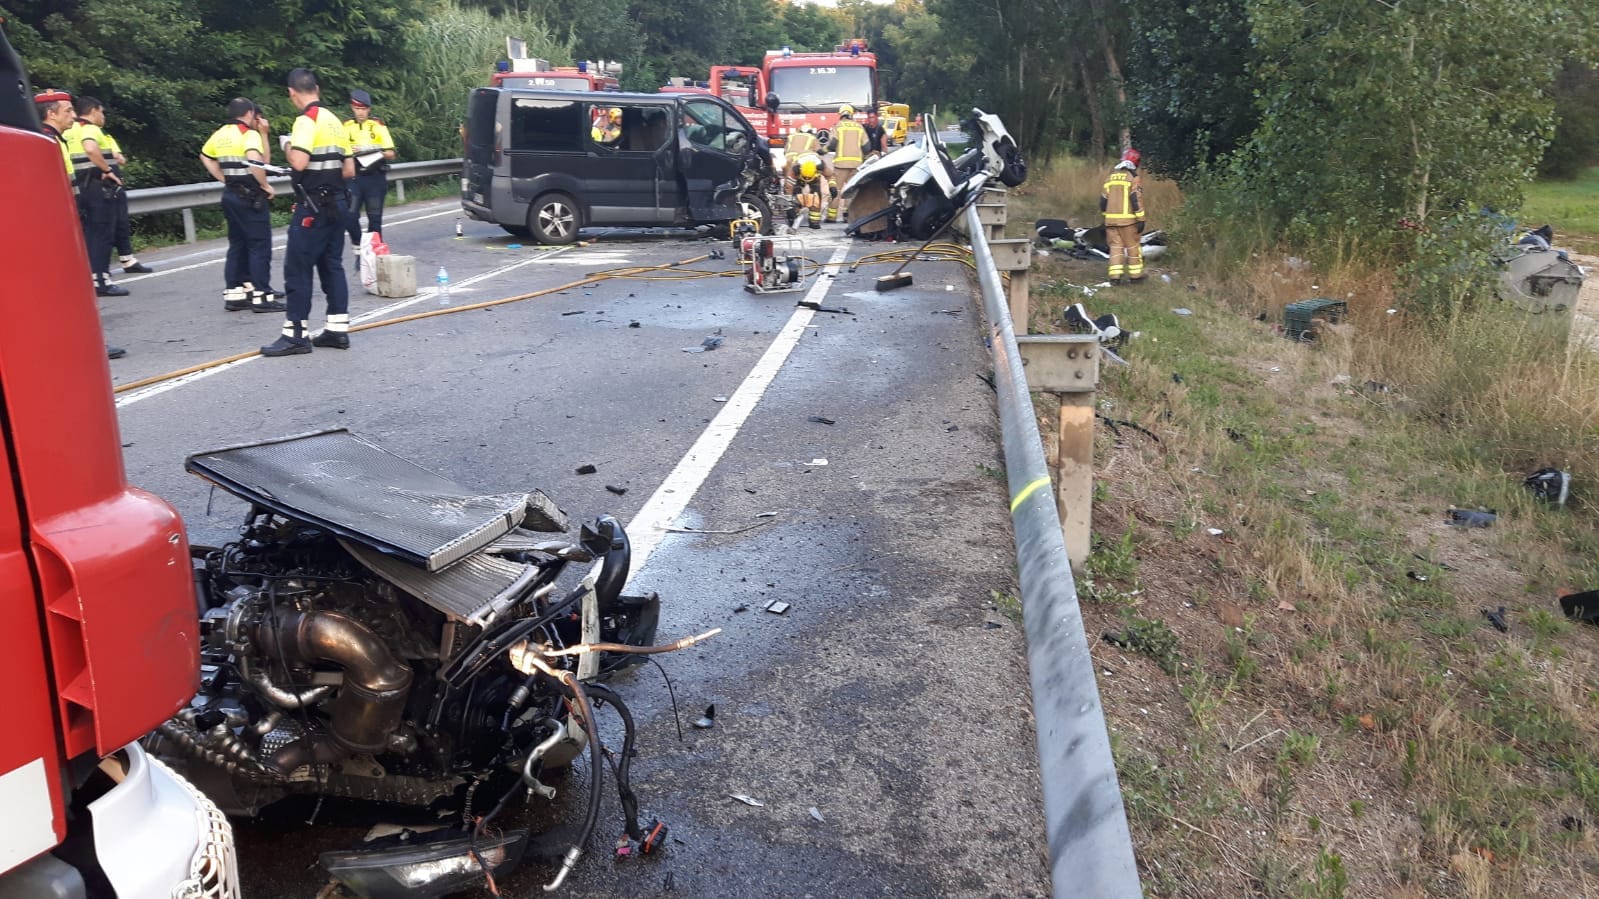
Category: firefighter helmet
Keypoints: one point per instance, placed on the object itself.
(808, 167)
(615, 114)
(846, 111)
(1131, 155)
(807, 127)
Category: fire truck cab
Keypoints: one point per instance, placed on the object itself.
(99, 633)
(810, 87)
(538, 74)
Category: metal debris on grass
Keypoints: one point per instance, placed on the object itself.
(747, 800)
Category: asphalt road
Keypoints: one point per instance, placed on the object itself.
(883, 720)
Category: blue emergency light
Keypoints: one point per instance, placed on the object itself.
(502, 66)
(582, 66)
(855, 49)
(787, 52)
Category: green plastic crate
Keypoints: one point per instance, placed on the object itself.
(1297, 316)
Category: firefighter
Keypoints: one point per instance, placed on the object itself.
(122, 231)
(369, 138)
(319, 154)
(246, 206)
(98, 188)
(802, 141)
(850, 141)
(812, 189)
(608, 130)
(1121, 202)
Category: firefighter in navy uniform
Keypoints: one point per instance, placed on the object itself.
(369, 137)
(56, 115)
(319, 154)
(1121, 201)
(246, 205)
(98, 189)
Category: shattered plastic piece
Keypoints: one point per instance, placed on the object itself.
(1417, 577)
(1497, 619)
(574, 312)
(718, 399)
(817, 814)
(817, 462)
(619, 491)
(1441, 565)
(1576, 825)
(1165, 279)
(777, 607)
(992, 625)
(712, 342)
(821, 421)
(1183, 310)
(1550, 484)
(586, 469)
(741, 607)
(747, 800)
(708, 720)
(1471, 518)
(634, 325)
(765, 514)
(1116, 638)
(1214, 532)
(1582, 606)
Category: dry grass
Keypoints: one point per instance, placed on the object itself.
(1335, 726)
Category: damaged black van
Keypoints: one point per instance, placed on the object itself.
(545, 163)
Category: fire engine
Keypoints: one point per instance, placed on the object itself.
(810, 87)
(587, 75)
(99, 630)
(742, 86)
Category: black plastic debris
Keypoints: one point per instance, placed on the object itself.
(619, 491)
(821, 421)
(992, 625)
(634, 324)
(1444, 566)
(574, 312)
(741, 607)
(1550, 484)
(1582, 606)
(1176, 378)
(1573, 824)
(1472, 518)
(708, 720)
(812, 304)
(1497, 619)
(586, 469)
(1117, 638)
(1417, 576)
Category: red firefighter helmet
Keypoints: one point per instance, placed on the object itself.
(1131, 155)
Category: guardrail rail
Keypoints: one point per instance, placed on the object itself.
(185, 197)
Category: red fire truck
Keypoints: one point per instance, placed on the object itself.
(99, 636)
(537, 73)
(810, 87)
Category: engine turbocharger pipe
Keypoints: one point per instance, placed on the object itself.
(371, 700)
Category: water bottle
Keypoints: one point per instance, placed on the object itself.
(444, 287)
(458, 232)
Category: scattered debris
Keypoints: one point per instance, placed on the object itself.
(741, 607)
(821, 421)
(1284, 605)
(953, 428)
(708, 720)
(1417, 577)
(1582, 606)
(817, 814)
(1117, 638)
(1306, 319)
(1183, 310)
(778, 607)
(1550, 484)
(765, 514)
(1444, 566)
(816, 462)
(1376, 387)
(1107, 327)
(586, 469)
(1472, 518)
(1113, 423)
(1176, 378)
(1214, 532)
(619, 491)
(634, 324)
(992, 625)
(1574, 824)
(1497, 619)
(1235, 435)
(747, 800)
(574, 312)
(811, 304)
(706, 345)
(718, 399)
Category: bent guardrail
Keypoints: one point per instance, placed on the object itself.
(1090, 847)
(184, 197)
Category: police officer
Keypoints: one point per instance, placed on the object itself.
(122, 231)
(246, 205)
(374, 150)
(98, 188)
(56, 114)
(319, 154)
(849, 149)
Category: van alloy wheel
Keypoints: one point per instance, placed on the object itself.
(554, 219)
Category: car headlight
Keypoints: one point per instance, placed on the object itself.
(422, 869)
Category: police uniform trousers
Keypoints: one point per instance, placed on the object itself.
(249, 257)
(316, 244)
(367, 190)
(97, 210)
(122, 229)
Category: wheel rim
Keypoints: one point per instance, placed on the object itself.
(752, 212)
(556, 219)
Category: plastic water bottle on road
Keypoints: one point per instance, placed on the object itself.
(444, 287)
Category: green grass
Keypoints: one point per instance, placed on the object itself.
(1572, 207)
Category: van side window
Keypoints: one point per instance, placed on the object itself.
(649, 132)
(548, 125)
(705, 123)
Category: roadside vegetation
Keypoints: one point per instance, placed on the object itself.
(1312, 703)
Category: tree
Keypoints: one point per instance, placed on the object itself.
(1191, 97)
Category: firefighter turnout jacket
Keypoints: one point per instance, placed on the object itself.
(802, 142)
(230, 146)
(319, 134)
(849, 143)
(1121, 198)
(366, 138)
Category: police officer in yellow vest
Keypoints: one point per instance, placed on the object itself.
(55, 116)
(246, 206)
(373, 147)
(122, 230)
(319, 154)
(98, 188)
(1121, 201)
(849, 150)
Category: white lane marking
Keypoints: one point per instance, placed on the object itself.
(222, 251)
(421, 295)
(674, 494)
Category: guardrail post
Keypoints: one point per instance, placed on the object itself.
(1015, 255)
(1067, 365)
(189, 235)
(399, 191)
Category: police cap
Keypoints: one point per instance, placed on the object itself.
(360, 97)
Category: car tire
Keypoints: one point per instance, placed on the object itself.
(554, 219)
(754, 206)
